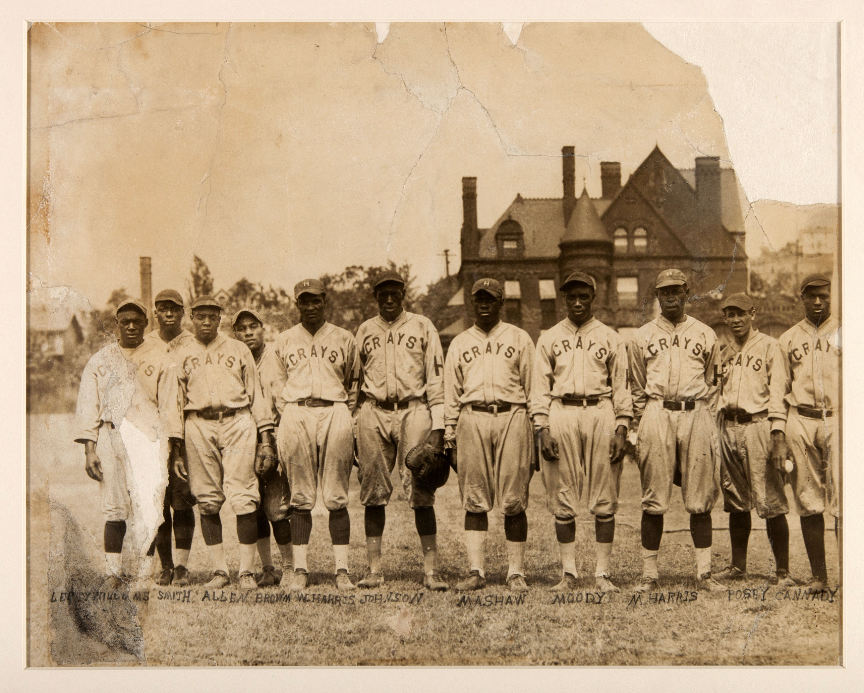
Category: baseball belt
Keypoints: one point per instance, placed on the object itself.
(394, 406)
(675, 405)
(495, 407)
(314, 402)
(740, 416)
(814, 412)
(573, 401)
(217, 414)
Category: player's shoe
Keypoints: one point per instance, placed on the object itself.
(299, 580)
(605, 585)
(731, 573)
(371, 581)
(343, 582)
(516, 583)
(218, 581)
(646, 584)
(474, 581)
(181, 576)
(784, 579)
(568, 583)
(434, 582)
(816, 584)
(247, 581)
(165, 577)
(269, 577)
(706, 582)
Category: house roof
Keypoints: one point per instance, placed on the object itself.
(733, 200)
(585, 224)
(46, 318)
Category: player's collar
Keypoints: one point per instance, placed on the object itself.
(401, 318)
(670, 326)
(217, 340)
(584, 326)
(486, 335)
(320, 332)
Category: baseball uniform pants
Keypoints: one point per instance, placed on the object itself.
(495, 459)
(815, 479)
(747, 478)
(275, 494)
(584, 436)
(134, 479)
(384, 437)
(179, 495)
(685, 439)
(221, 460)
(317, 446)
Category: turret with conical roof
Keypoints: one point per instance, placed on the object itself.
(586, 246)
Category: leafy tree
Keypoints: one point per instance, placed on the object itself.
(200, 282)
(349, 293)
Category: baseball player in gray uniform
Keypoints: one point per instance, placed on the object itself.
(170, 335)
(751, 398)
(315, 438)
(583, 410)
(402, 406)
(811, 351)
(488, 413)
(129, 421)
(674, 367)
(272, 487)
(229, 436)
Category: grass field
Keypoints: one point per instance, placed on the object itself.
(401, 623)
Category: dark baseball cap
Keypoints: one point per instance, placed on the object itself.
(169, 295)
(388, 276)
(133, 303)
(489, 285)
(206, 302)
(670, 277)
(740, 300)
(308, 286)
(245, 311)
(579, 278)
(814, 280)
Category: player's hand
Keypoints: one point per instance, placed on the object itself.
(779, 451)
(180, 468)
(93, 466)
(449, 437)
(619, 442)
(548, 445)
(435, 439)
(265, 458)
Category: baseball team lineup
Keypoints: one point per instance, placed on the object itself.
(175, 419)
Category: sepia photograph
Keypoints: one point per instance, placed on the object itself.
(434, 344)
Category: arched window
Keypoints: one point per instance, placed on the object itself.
(510, 239)
(640, 241)
(620, 239)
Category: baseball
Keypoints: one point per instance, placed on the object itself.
(788, 466)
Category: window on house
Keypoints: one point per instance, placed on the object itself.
(628, 291)
(512, 289)
(640, 240)
(620, 240)
(510, 245)
(548, 311)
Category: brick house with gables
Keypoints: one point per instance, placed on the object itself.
(660, 217)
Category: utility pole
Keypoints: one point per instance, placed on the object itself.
(446, 255)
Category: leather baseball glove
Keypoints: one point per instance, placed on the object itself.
(430, 466)
(265, 459)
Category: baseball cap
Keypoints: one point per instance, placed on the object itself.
(388, 276)
(740, 300)
(814, 280)
(169, 295)
(308, 286)
(670, 277)
(489, 285)
(130, 303)
(206, 302)
(246, 311)
(579, 278)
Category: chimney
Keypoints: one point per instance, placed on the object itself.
(146, 282)
(610, 176)
(470, 236)
(568, 171)
(708, 191)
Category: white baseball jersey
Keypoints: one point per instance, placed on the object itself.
(222, 375)
(272, 376)
(138, 385)
(812, 363)
(171, 346)
(402, 360)
(488, 368)
(582, 361)
(674, 362)
(753, 377)
(322, 366)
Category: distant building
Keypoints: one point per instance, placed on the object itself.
(660, 217)
(54, 331)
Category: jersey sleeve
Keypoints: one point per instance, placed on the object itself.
(453, 385)
(544, 378)
(781, 381)
(636, 363)
(526, 374)
(352, 371)
(712, 374)
(273, 377)
(434, 365)
(262, 411)
(88, 410)
(616, 362)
